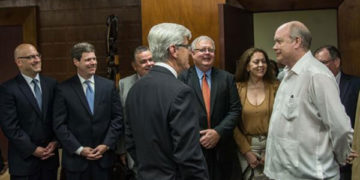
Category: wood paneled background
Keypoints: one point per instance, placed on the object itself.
(199, 16)
(62, 23)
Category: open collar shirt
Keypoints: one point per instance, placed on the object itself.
(309, 133)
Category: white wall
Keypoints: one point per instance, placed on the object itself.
(321, 23)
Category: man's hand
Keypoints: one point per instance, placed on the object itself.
(39, 152)
(87, 152)
(251, 159)
(49, 150)
(209, 138)
(98, 152)
(123, 158)
(351, 157)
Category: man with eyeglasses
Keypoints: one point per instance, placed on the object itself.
(141, 63)
(220, 109)
(26, 118)
(349, 88)
(163, 121)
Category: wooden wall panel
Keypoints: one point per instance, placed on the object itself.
(62, 23)
(200, 16)
(349, 35)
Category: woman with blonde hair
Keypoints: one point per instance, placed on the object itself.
(257, 87)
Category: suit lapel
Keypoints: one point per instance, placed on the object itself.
(77, 86)
(194, 81)
(213, 89)
(45, 96)
(25, 89)
(98, 94)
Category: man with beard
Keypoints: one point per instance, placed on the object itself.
(87, 119)
(219, 110)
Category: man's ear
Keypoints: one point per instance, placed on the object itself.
(337, 62)
(133, 65)
(173, 51)
(298, 42)
(76, 62)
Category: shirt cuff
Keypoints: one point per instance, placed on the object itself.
(78, 151)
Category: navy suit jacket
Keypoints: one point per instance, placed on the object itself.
(349, 91)
(163, 133)
(76, 126)
(25, 125)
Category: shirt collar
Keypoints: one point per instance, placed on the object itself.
(82, 80)
(171, 69)
(201, 73)
(301, 63)
(338, 77)
(29, 79)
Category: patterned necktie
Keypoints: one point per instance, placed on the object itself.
(90, 95)
(37, 92)
(206, 95)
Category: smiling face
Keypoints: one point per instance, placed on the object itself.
(257, 65)
(204, 55)
(86, 66)
(28, 60)
(143, 63)
(284, 45)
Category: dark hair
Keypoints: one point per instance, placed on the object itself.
(139, 50)
(79, 48)
(242, 75)
(274, 66)
(333, 51)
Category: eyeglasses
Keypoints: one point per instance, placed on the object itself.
(327, 62)
(210, 50)
(187, 46)
(30, 57)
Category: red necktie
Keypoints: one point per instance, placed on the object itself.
(206, 95)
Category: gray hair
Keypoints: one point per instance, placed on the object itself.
(201, 38)
(164, 35)
(139, 50)
(298, 29)
(79, 48)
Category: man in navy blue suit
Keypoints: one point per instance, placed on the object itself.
(349, 87)
(87, 119)
(26, 118)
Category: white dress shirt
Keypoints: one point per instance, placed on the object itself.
(309, 133)
(84, 86)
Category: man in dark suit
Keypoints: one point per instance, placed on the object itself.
(219, 110)
(163, 123)
(26, 119)
(141, 63)
(87, 119)
(349, 88)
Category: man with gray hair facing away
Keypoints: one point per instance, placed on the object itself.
(163, 123)
(309, 134)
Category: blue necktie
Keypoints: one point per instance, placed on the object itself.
(37, 92)
(90, 96)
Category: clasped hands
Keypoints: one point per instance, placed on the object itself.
(351, 157)
(209, 138)
(94, 153)
(45, 152)
(253, 160)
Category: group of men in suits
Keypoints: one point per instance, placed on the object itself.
(83, 115)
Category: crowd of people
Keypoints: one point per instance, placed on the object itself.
(170, 121)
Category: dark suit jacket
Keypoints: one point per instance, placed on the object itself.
(76, 126)
(225, 109)
(349, 91)
(164, 132)
(25, 125)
